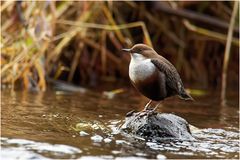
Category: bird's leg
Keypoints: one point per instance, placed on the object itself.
(152, 111)
(155, 107)
(147, 105)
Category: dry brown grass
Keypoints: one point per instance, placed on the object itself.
(81, 41)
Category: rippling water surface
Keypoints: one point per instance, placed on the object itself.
(57, 124)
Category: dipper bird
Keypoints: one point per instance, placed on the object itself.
(153, 75)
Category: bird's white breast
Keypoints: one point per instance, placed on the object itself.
(140, 67)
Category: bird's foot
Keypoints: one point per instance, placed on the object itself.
(151, 111)
(148, 106)
(147, 111)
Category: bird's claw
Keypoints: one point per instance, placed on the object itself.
(130, 113)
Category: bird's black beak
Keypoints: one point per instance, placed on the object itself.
(126, 50)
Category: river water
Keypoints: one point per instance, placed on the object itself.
(57, 124)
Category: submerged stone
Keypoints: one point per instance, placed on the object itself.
(154, 126)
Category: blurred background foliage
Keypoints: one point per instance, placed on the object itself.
(81, 42)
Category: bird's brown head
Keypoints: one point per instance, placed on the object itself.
(139, 49)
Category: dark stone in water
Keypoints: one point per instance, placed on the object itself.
(154, 126)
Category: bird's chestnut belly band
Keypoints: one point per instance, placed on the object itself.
(151, 87)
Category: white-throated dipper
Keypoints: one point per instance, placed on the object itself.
(153, 75)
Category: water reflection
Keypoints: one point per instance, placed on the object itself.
(89, 123)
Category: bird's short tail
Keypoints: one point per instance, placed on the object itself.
(186, 96)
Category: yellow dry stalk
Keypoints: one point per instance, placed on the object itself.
(9, 50)
(5, 5)
(25, 55)
(96, 46)
(211, 34)
(41, 75)
(39, 67)
(103, 53)
(105, 27)
(112, 22)
(59, 71)
(25, 78)
(32, 6)
(227, 53)
(25, 63)
(75, 62)
(17, 59)
(165, 30)
(60, 10)
(73, 31)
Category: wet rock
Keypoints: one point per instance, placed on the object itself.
(154, 126)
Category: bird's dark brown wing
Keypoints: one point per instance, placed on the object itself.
(173, 80)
